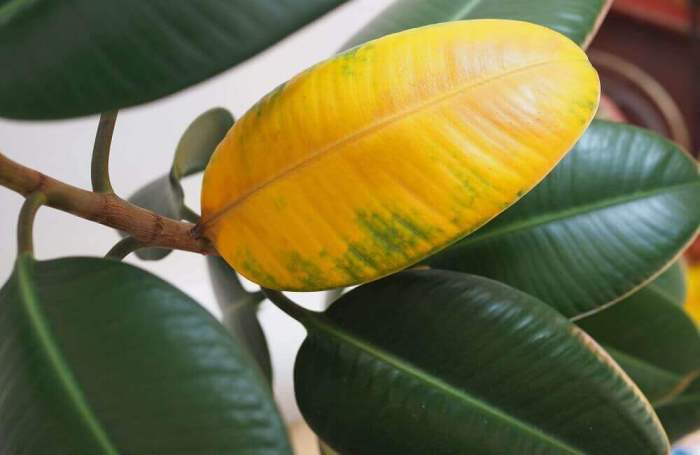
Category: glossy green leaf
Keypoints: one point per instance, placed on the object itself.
(441, 362)
(650, 336)
(681, 415)
(165, 195)
(66, 59)
(617, 209)
(239, 309)
(577, 19)
(100, 357)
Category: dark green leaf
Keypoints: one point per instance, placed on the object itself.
(66, 59)
(441, 362)
(650, 336)
(165, 195)
(100, 357)
(239, 309)
(681, 415)
(577, 19)
(616, 210)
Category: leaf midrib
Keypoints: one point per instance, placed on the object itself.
(45, 339)
(572, 212)
(209, 219)
(317, 320)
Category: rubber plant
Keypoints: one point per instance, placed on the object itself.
(514, 261)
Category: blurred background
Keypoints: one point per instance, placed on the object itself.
(647, 53)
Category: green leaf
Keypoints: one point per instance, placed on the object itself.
(577, 19)
(430, 361)
(615, 211)
(674, 283)
(239, 309)
(165, 195)
(100, 357)
(651, 337)
(681, 416)
(199, 141)
(66, 59)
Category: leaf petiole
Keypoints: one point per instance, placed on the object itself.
(123, 248)
(105, 208)
(281, 301)
(25, 223)
(99, 170)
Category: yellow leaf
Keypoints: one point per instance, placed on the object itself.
(692, 301)
(369, 161)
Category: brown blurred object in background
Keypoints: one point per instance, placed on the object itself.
(648, 56)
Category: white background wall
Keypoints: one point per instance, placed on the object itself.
(143, 144)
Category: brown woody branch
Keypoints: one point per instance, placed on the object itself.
(108, 209)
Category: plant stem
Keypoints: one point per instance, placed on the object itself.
(100, 153)
(288, 306)
(123, 248)
(190, 215)
(25, 223)
(147, 227)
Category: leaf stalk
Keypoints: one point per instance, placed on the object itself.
(99, 169)
(285, 304)
(147, 227)
(123, 248)
(25, 223)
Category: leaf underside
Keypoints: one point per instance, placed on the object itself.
(239, 309)
(165, 195)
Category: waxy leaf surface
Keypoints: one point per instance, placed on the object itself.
(651, 337)
(617, 210)
(367, 162)
(577, 19)
(100, 357)
(440, 362)
(71, 58)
